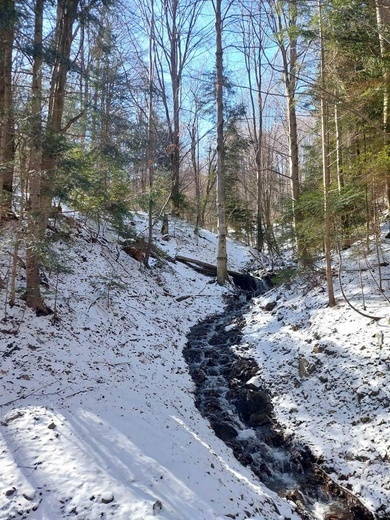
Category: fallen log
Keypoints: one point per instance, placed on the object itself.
(245, 281)
(205, 265)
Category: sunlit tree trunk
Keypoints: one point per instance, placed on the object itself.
(325, 169)
(383, 23)
(286, 14)
(222, 274)
(339, 156)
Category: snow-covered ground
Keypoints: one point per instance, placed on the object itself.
(97, 415)
(329, 370)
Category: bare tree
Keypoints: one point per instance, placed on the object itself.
(151, 129)
(283, 19)
(194, 137)
(177, 38)
(253, 54)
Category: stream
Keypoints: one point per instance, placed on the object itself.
(241, 414)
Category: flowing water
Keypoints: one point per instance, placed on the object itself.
(241, 414)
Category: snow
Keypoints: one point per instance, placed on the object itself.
(329, 373)
(97, 413)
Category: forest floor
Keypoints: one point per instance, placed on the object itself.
(97, 413)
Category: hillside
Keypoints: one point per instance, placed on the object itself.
(97, 411)
(97, 414)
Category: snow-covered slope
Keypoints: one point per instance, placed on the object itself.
(329, 370)
(97, 416)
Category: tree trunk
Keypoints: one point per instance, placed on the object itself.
(222, 274)
(43, 159)
(176, 81)
(209, 190)
(7, 137)
(253, 48)
(290, 84)
(325, 169)
(383, 23)
(290, 73)
(66, 15)
(151, 135)
(35, 221)
(345, 242)
(195, 168)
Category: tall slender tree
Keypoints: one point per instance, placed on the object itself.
(383, 23)
(35, 219)
(325, 165)
(151, 128)
(47, 149)
(222, 274)
(283, 18)
(253, 47)
(177, 38)
(7, 138)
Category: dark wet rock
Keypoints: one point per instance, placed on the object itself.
(243, 457)
(269, 306)
(212, 404)
(244, 369)
(215, 340)
(198, 376)
(223, 430)
(258, 401)
(259, 418)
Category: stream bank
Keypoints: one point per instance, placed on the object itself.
(241, 414)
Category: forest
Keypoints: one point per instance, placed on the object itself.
(264, 120)
(153, 152)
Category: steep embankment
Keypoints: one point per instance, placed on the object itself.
(328, 370)
(97, 408)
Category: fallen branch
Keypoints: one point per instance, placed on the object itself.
(369, 316)
(30, 394)
(82, 391)
(354, 499)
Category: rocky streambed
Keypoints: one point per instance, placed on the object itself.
(240, 412)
